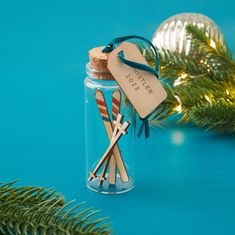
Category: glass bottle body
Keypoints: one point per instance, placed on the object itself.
(119, 175)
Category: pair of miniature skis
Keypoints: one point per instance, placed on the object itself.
(112, 157)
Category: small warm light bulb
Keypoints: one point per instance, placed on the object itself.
(208, 99)
(212, 44)
(184, 75)
(201, 61)
(179, 81)
(178, 108)
(227, 91)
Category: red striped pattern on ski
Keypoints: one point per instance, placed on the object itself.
(103, 109)
(116, 100)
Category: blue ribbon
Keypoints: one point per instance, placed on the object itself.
(111, 46)
(144, 127)
(136, 65)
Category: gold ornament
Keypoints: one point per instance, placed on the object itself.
(171, 34)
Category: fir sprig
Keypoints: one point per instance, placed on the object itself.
(212, 53)
(219, 115)
(200, 85)
(33, 210)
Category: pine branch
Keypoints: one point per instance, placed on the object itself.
(212, 53)
(32, 210)
(207, 43)
(208, 57)
(194, 95)
(172, 65)
(219, 116)
(201, 85)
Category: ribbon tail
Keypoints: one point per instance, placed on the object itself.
(147, 133)
(144, 127)
(141, 129)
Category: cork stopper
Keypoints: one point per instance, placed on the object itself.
(98, 64)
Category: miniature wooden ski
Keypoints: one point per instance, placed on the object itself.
(116, 103)
(116, 125)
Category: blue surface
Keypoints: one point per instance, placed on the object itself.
(185, 177)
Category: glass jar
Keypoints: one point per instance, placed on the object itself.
(103, 99)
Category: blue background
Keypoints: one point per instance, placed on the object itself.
(185, 177)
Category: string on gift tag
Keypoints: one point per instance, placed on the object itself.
(144, 127)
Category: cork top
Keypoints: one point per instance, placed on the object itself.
(98, 62)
